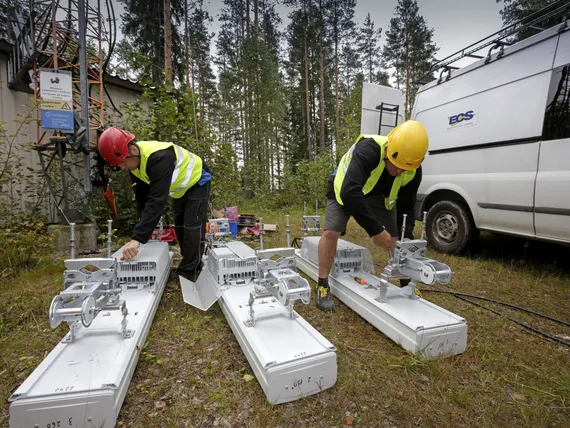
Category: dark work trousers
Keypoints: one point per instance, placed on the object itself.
(190, 216)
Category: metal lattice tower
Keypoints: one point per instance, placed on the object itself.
(64, 36)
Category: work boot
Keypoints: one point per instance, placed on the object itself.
(324, 296)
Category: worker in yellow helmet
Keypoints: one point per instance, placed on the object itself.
(376, 175)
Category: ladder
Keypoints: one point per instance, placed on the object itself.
(390, 108)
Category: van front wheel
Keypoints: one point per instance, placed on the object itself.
(449, 227)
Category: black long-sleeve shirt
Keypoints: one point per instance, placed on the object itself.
(365, 158)
(151, 198)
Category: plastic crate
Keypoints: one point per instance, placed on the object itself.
(233, 228)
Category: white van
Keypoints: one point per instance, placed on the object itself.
(499, 154)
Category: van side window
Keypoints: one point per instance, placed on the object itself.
(557, 115)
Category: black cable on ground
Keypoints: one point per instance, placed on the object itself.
(522, 324)
(510, 305)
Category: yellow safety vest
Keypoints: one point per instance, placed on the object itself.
(399, 181)
(187, 172)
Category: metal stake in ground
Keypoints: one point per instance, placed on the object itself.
(260, 233)
(72, 239)
(109, 237)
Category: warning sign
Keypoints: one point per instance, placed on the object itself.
(56, 92)
(56, 105)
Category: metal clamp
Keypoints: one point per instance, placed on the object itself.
(278, 279)
(90, 286)
(410, 261)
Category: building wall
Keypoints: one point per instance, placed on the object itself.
(17, 106)
(119, 96)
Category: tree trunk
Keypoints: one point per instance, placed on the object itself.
(247, 18)
(406, 109)
(278, 152)
(255, 17)
(167, 44)
(154, 72)
(307, 105)
(186, 44)
(242, 105)
(370, 61)
(322, 94)
(260, 141)
(336, 111)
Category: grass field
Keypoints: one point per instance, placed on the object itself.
(193, 373)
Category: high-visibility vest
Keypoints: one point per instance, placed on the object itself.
(187, 171)
(399, 181)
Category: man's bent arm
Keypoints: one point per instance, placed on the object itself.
(406, 204)
(365, 159)
(160, 167)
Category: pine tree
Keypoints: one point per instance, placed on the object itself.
(143, 27)
(272, 93)
(368, 48)
(228, 60)
(343, 28)
(251, 91)
(352, 111)
(301, 34)
(350, 65)
(409, 49)
(199, 40)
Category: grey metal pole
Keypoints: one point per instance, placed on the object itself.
(109, 237)
(72, 239)
(304, 208)
(161, 227)
(423, 225)
(83, 86)
(288, 230)
(261, 233)
(403, 227)
(317, 207)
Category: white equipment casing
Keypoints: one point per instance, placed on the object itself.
(417, 325)
(83, 382)
(288, 356)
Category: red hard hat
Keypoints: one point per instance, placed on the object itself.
(113, 145)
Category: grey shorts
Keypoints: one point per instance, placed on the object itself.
(336, 216)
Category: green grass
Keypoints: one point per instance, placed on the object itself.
(192, 371)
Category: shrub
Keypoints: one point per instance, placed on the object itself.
(22, 245)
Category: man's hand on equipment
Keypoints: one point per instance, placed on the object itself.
(130, 250)
(383, 240)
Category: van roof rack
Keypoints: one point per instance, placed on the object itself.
(496, 40)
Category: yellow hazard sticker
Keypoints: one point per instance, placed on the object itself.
(50, 104)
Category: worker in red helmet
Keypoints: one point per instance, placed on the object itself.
(159, 169)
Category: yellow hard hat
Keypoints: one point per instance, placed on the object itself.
(407, 145)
